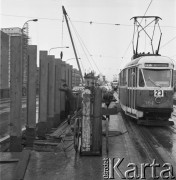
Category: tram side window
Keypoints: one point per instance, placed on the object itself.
(120, 77)
(129, 78)
(141, 79)
(172, 79)
(123, 80)
(134, 77)
(124, 77)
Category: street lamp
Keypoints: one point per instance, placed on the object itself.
(22, 30)
(24, 52)
(23, 27)
(57, 48)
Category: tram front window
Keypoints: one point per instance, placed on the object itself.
(157, 77)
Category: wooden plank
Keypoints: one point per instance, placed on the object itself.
(97, 122)
(61, 129)
(45, 143)
(86, 113)
(51, 86)
(43, 86)
(3, 161)
(22, 165)
(155, 122)
(31, 95)
(15, 93)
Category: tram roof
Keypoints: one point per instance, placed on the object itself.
(149, 59)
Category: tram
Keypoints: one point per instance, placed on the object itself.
(146, 89)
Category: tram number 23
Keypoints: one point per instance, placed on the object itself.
(158, 93)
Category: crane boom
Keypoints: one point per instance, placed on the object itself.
(65, 14)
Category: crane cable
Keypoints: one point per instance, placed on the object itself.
(82, 42)
(62, 31)
(78, 37)
(77, 50)
(81, 45)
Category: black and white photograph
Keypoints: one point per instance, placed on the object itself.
(87, 89)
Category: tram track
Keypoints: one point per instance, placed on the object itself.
(151, 148)
(142, 139)
(162, 154)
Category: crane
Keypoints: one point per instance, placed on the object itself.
(65, 15)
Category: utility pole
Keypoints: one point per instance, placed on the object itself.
(65, 14)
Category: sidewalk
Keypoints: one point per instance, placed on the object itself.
(71, 166)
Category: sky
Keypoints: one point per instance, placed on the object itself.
(101, 44)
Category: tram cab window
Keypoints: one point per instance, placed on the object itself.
(157, 77)
(141, 79)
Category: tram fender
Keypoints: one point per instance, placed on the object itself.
(154, 123)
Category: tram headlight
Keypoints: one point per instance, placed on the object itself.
(158, 100)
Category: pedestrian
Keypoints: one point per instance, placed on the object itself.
(69, 99)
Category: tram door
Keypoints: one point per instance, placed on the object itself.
(132, 84)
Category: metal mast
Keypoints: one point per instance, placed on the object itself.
(65, 14)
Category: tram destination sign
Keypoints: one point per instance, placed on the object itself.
(156, 65)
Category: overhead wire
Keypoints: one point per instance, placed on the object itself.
(82, 66)
(62, 33)
(79, 39)
(86, 48)
(135, 31)
(168, 42)
(82, 47)
(33, 17)
(79, 21)
(173, 55)
(93, 22)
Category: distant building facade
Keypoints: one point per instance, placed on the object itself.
(16, 31)
(76, 77)
(91, 79)
(174, 79)
(4, 65)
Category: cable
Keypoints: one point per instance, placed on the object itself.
(79, 21)
(62, 33)
(135, 31)
(100, 23)
(147, 9)
(86, 49)
(168, 42)
(173, 55)
(55, 19)
(78, 37)
(82, 66)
